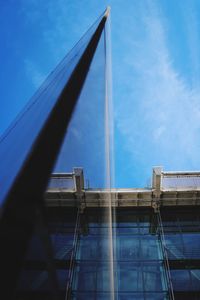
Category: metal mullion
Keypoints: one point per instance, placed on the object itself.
(165, 256)
(73, 256)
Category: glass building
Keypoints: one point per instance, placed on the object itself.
(63, 125)
(73, 238)
(155, 239)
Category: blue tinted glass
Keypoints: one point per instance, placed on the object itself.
(138, 247)
(84, 144)
(143, 296)
(21, 135)
(92, 277)
(91, 295)
(139, 271)
(181, 280)
(121, 296)
(183, 246)
(141, 277)
(94, 248)
(62, 245)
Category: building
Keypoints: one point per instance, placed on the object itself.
(155, 232)
(32, 144)
(89, 243)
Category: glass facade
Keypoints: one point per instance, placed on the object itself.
(27, 126)
(35, 280)
(155, 257)
(181, 228)
(65, 124)
(138, 265)
(88, 249)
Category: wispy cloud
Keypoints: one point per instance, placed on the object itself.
(192, 23)
(61, 22)
(49, 23)
(55, 26)
(160, 120)
(34, 73)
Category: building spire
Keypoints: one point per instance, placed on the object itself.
(107, 12)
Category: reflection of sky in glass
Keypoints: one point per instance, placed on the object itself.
(84, 144)
(156, 73)
(138, 267)
(17, 141)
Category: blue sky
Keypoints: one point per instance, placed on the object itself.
(155, 66)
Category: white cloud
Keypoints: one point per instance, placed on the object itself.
(163, 112)
(158, 132)
(61, 23)
(56, 26)
(34, 73)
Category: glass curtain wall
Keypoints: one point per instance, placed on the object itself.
(139, 268)
(26, 127)
(80, 242)
(34, 281)
(87, 144)
(182, 242)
